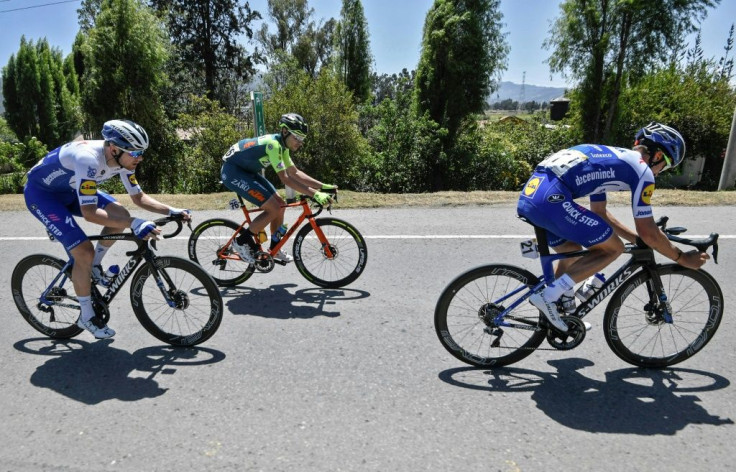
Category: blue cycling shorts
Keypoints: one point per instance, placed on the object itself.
(253, 187)
(56, 211)
(547, 202)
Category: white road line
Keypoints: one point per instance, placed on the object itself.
(397, 236)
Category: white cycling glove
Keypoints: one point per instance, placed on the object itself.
(142, 228)
(178, 211)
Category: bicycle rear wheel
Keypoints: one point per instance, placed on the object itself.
(210, 248)
(197, 305)
(635, 328)
(348, 253)
(31, 276)
(463, 317)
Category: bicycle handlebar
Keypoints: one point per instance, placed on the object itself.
(701, 244)
(178, 219)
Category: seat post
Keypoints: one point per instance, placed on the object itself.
(542, 243)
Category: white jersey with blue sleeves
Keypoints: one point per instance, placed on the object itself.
(77, 167)
(591, 169)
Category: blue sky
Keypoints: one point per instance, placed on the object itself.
(395, 28)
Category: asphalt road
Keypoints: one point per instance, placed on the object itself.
(300, 378)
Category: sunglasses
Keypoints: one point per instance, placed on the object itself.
(667, 160)
(298, 138)
(135, 154)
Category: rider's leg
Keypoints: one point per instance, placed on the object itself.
(117, 210)
(272, 213)
(598, 257)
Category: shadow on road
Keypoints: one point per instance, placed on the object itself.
(277, 302)
(629, 401)
(94, 372)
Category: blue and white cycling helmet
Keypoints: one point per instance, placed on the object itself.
(126, 135)
(656, 136)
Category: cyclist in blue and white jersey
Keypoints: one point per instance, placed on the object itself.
(593, 170)
(63, 185)
(241, 173)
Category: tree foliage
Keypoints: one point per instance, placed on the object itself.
(601, 43)
(352, 49)
(334, 146)
(37, 97)
(208, 36)
(125, 57)
(696, 99)
(463, 54)
(297, 38)
(210, 131)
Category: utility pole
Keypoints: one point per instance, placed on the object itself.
(728, 174)
(523, 93)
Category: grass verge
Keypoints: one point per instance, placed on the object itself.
(348, 199)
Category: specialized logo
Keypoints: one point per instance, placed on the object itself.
(597, 175)
(87, 187)
(132, 179)
(646, 194)
(91, 172)
(532, 186)
(556, 198)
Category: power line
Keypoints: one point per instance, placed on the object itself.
(37, 6)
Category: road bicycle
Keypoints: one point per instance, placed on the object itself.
(174, 299)
(659, 315)
(328, 252)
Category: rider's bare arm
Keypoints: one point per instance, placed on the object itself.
(299, 181)
(623, 231)
(149, 203)
(657, 240)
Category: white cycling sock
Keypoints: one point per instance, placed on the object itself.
(87, 311)
(100, 252)
(555, 290)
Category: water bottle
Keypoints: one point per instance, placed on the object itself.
(280, 232)
(591, 284)
(110, 274)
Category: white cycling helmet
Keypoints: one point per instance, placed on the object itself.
(126, 135)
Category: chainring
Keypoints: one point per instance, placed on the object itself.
(572, 338)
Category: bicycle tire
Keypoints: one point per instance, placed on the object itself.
(31, 276)
(350, 253)
(464, 311)
(198, 313)
(204, 246)
(697, 308)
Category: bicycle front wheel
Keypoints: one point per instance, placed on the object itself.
(465, 313)
(209, 246)
(56, 317)
(635, 328)
(190, 313)
(335, 263)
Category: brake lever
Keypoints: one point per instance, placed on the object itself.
(715, 253)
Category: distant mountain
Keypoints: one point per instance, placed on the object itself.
(539, 94)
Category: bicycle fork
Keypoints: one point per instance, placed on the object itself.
(659, 307)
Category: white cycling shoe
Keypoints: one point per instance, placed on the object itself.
(549, 309)
(244, 251)
(282, 256)
(567, 307)
(97, 327)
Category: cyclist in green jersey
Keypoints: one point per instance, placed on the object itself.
(241, 173)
